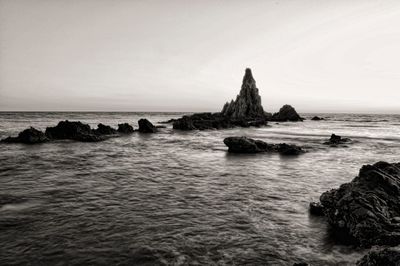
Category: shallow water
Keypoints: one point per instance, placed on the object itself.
(177, 197)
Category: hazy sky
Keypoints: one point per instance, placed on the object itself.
(121, 55)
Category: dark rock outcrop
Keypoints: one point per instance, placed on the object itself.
(104, 130)
(366, 211)
(247, 103)
(382, 257)
(145, 126)
(337, 140)
(286, 113)
(317, 118)
(248, 145)
(125, 128)
(28, 136)
(72, 130)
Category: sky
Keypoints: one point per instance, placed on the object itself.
(190, 56)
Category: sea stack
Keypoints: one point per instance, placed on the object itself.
(247, 103)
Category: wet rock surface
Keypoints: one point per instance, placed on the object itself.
(104, 130)
(286, 113)
(248, 145)
(28, 136)
(366, 211)
(336, 140)
(145, 126)
(381, 257)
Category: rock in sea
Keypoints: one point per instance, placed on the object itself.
(104, 130)
(125, 128)
(336, 140)
(381, 257)
(287, 113)
(317, 118)
(145, 126)
(366, 211)
(248, 145)
(72, 130)
(28, 136)
(245, 111)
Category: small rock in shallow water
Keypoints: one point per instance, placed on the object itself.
(317, 118)
(145, 126)
(336, 140)
(248, 145)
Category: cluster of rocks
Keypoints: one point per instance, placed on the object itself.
(366, 211)
(336, 140)
(245, 111)
(248, 145)
(78, 131)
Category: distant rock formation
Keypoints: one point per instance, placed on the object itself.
(366, 211)
(125, 128)
(380, 257)
(247, 103)
(145, 126)
(104, 130)
(245, 111)
(75, 130)
(28, 136)
(248, 145)
(317, 118)
(286, 113)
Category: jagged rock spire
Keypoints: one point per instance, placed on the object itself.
(248, 102)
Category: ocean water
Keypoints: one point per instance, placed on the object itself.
(178, 198)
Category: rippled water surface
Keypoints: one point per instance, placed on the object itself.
(178, 198)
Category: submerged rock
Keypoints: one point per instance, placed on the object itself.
(28, 136)
(247, 103)
(286, 113)
(125, 128)
(145, 126)
(104, 130)
(382, 257)
(366, 211)
(336, 140)
(248, 145)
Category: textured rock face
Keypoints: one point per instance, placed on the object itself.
(68, 130)
(367, 210)
(386, 257)
(286, 113)
(145, 126)
(125, 128)
(247, 145)
(247, 103)
(28, 136)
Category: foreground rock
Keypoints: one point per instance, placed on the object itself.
(248, 145)
(145, 126)
(125, 128)
(336, 140)
(386, 257)
(286, 113)
(366, 211)
(28, 136)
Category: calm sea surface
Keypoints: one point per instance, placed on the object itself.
(178, 198)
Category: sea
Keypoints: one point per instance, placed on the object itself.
(179, 198)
